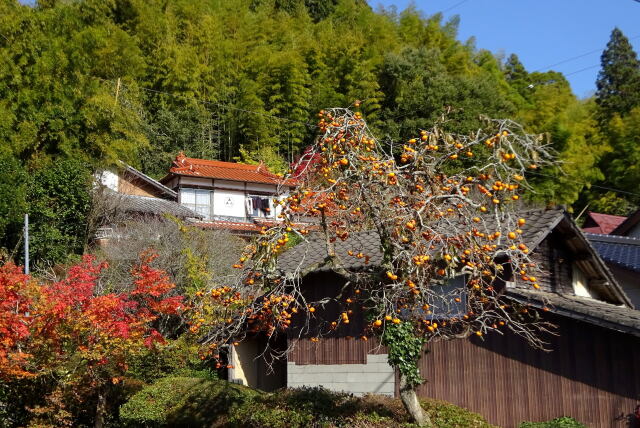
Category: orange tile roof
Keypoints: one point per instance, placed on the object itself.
(183, 165)
(229, 225)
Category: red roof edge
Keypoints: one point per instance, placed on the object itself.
(183, 165)
(602, 223)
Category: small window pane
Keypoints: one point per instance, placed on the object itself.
(203, 209)
(446, 305)
(187, 196)
(202, 197)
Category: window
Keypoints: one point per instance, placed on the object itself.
(198, 200)
(448, 299)
(580, 282)
(259, 206)
(451, 300)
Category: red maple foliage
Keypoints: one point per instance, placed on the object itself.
(45, 325)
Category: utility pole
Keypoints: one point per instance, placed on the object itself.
(26, 244)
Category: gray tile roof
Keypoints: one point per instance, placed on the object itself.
(312, 255)
(618, 250)
(148, 205)
(593, 311)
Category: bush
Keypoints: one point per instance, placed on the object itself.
(182, 401)
(178, 359)
(447, 415)
(563, 422)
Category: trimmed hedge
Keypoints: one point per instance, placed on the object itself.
(197, 402)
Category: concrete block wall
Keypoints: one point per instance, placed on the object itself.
(375, 377)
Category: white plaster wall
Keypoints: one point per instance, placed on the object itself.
(375, 377)
(227, 184)
(108, 179)
(258, 187)
(229, 202)
(245, 365)
(195, 181)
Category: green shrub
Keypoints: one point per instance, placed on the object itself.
(183, 401)
(447, 415)
(179, 359)
(563, 422)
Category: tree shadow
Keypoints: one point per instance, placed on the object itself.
(217, 404)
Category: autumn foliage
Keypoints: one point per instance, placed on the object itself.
(69, 331)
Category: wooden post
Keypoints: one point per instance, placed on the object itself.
(26, 244)
(117, 92)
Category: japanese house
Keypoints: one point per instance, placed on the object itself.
(619, 247)
(592, 372)
(227, 195)
(128, 194)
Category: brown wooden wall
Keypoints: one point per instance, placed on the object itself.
(592, 374)
(554, 261)
(132, 185)
(334, 350)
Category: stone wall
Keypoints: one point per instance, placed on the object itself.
(375, 377)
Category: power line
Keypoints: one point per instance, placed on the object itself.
(582, 69)
(576, 57)
(585, 184)
(454, 6)
(314, 125)
(223, 106)
(565, 75)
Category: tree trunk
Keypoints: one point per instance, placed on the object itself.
(101, 410)
(410, 401)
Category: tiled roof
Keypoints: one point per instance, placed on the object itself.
(229, 225)
(596, 312)
(312, 254)
(254, 225)
(183, 165)
(149, 205)
(618, 250)
(604, 223)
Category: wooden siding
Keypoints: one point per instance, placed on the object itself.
(129, 184)
(333, 350)
(592, 374)
(554, 261)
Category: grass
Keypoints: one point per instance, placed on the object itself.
(195, 402)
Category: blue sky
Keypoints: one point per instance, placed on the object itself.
(541, 32)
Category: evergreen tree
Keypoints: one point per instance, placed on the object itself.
(517, 76)
(619, 79)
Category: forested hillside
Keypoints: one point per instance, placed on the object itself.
(85, 83)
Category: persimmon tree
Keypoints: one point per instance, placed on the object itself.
(84, 341)
(445, 210)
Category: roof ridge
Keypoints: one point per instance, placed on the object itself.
(605, 215)
(223, 164)
(617, 239)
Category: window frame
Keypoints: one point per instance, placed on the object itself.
(206, 208)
